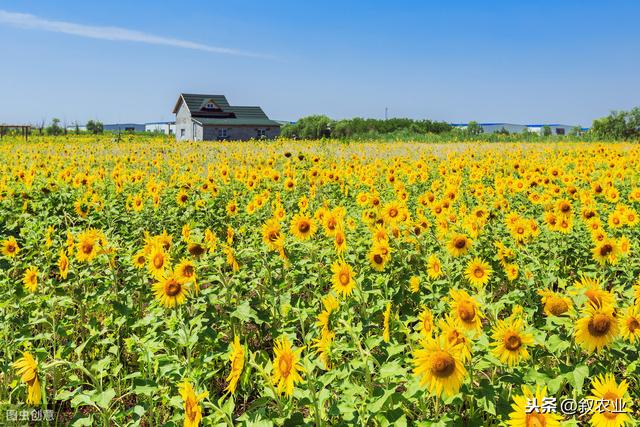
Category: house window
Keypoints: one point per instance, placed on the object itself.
(210, 105)
(222, 133)
(182, 132)
(559, 131)
(262, 133)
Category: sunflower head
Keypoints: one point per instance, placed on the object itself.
(303, 227)
(439, 365)
(526, 416)
(611, 401)
(466, 310)
(597, 329)
(286, 366)
(511, 341)
(343, 280)
(170, 291)
(478, 272)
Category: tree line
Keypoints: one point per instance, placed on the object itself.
(618, 125)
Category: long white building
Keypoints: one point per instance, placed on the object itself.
(556, 129)
(168, 128)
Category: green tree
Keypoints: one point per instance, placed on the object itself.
(54, 128)
(311, 127)
(473, 128)
(95, 127)
(575, 131)
(622, 125)
(546, 130)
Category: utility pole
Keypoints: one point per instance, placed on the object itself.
(386, 110)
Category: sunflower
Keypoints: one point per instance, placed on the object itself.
(606, 251)
(27, 368)
(624, 245)
(343, 281)
(439, 365)
(170, 291)
(196, 249)
(555, 304)
(631, 324)
(511, 270)
(330, 304)
(323, 347)
(611, 402)
(232, 261)
(271, 233)
(181, 197)
(340, 240)
(379, 255)
(164, 240)
(157, 261)
(478, 272)
(286, 366)
(87, 245)
(455, 334)
(524, 415)
(331, 221)
(192, 409)
(63, 265)
(392, 212)
(414, 284)
(30, 279)
(385, 323)
(592, 289)
(139, 259)
(185, 233)
(236, 357)
(563, 207)
(434, 267)
(186, 271)
(425, 322)
(466, 311)
(10, 247)
(302, 226)
(510, 341)
(459, 244)
(597, 329)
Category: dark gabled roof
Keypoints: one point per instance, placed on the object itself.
(225, 114)
(195, 101)
(207, 121)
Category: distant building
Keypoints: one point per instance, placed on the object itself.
(124, 127)
(556, 129)
(211, 118)
(168, 128)
(80, 128)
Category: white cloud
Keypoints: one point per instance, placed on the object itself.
(32, 22)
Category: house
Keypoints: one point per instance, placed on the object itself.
(211, 118)
(168, 128)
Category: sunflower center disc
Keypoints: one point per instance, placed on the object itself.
(442, 364)
(512, 342)
(599, 325)
(466, 311)
(172, 288)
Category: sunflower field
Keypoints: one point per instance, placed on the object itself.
(148, 282)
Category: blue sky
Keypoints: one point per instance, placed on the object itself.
(521, 62)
